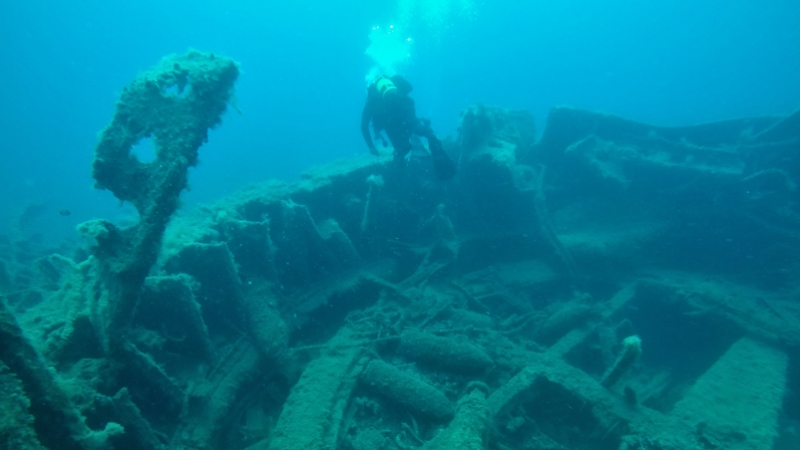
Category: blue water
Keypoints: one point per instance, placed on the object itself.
(304, 66)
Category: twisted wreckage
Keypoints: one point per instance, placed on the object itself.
(612, 286)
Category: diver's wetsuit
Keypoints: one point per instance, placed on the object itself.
(398, 118)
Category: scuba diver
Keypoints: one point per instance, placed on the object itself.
(390, 109)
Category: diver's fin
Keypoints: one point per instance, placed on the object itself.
(444, 167)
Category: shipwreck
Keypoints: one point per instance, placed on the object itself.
(609, 285)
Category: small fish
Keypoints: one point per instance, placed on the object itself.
(65, 212)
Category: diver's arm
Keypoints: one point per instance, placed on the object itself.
(366, 117)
